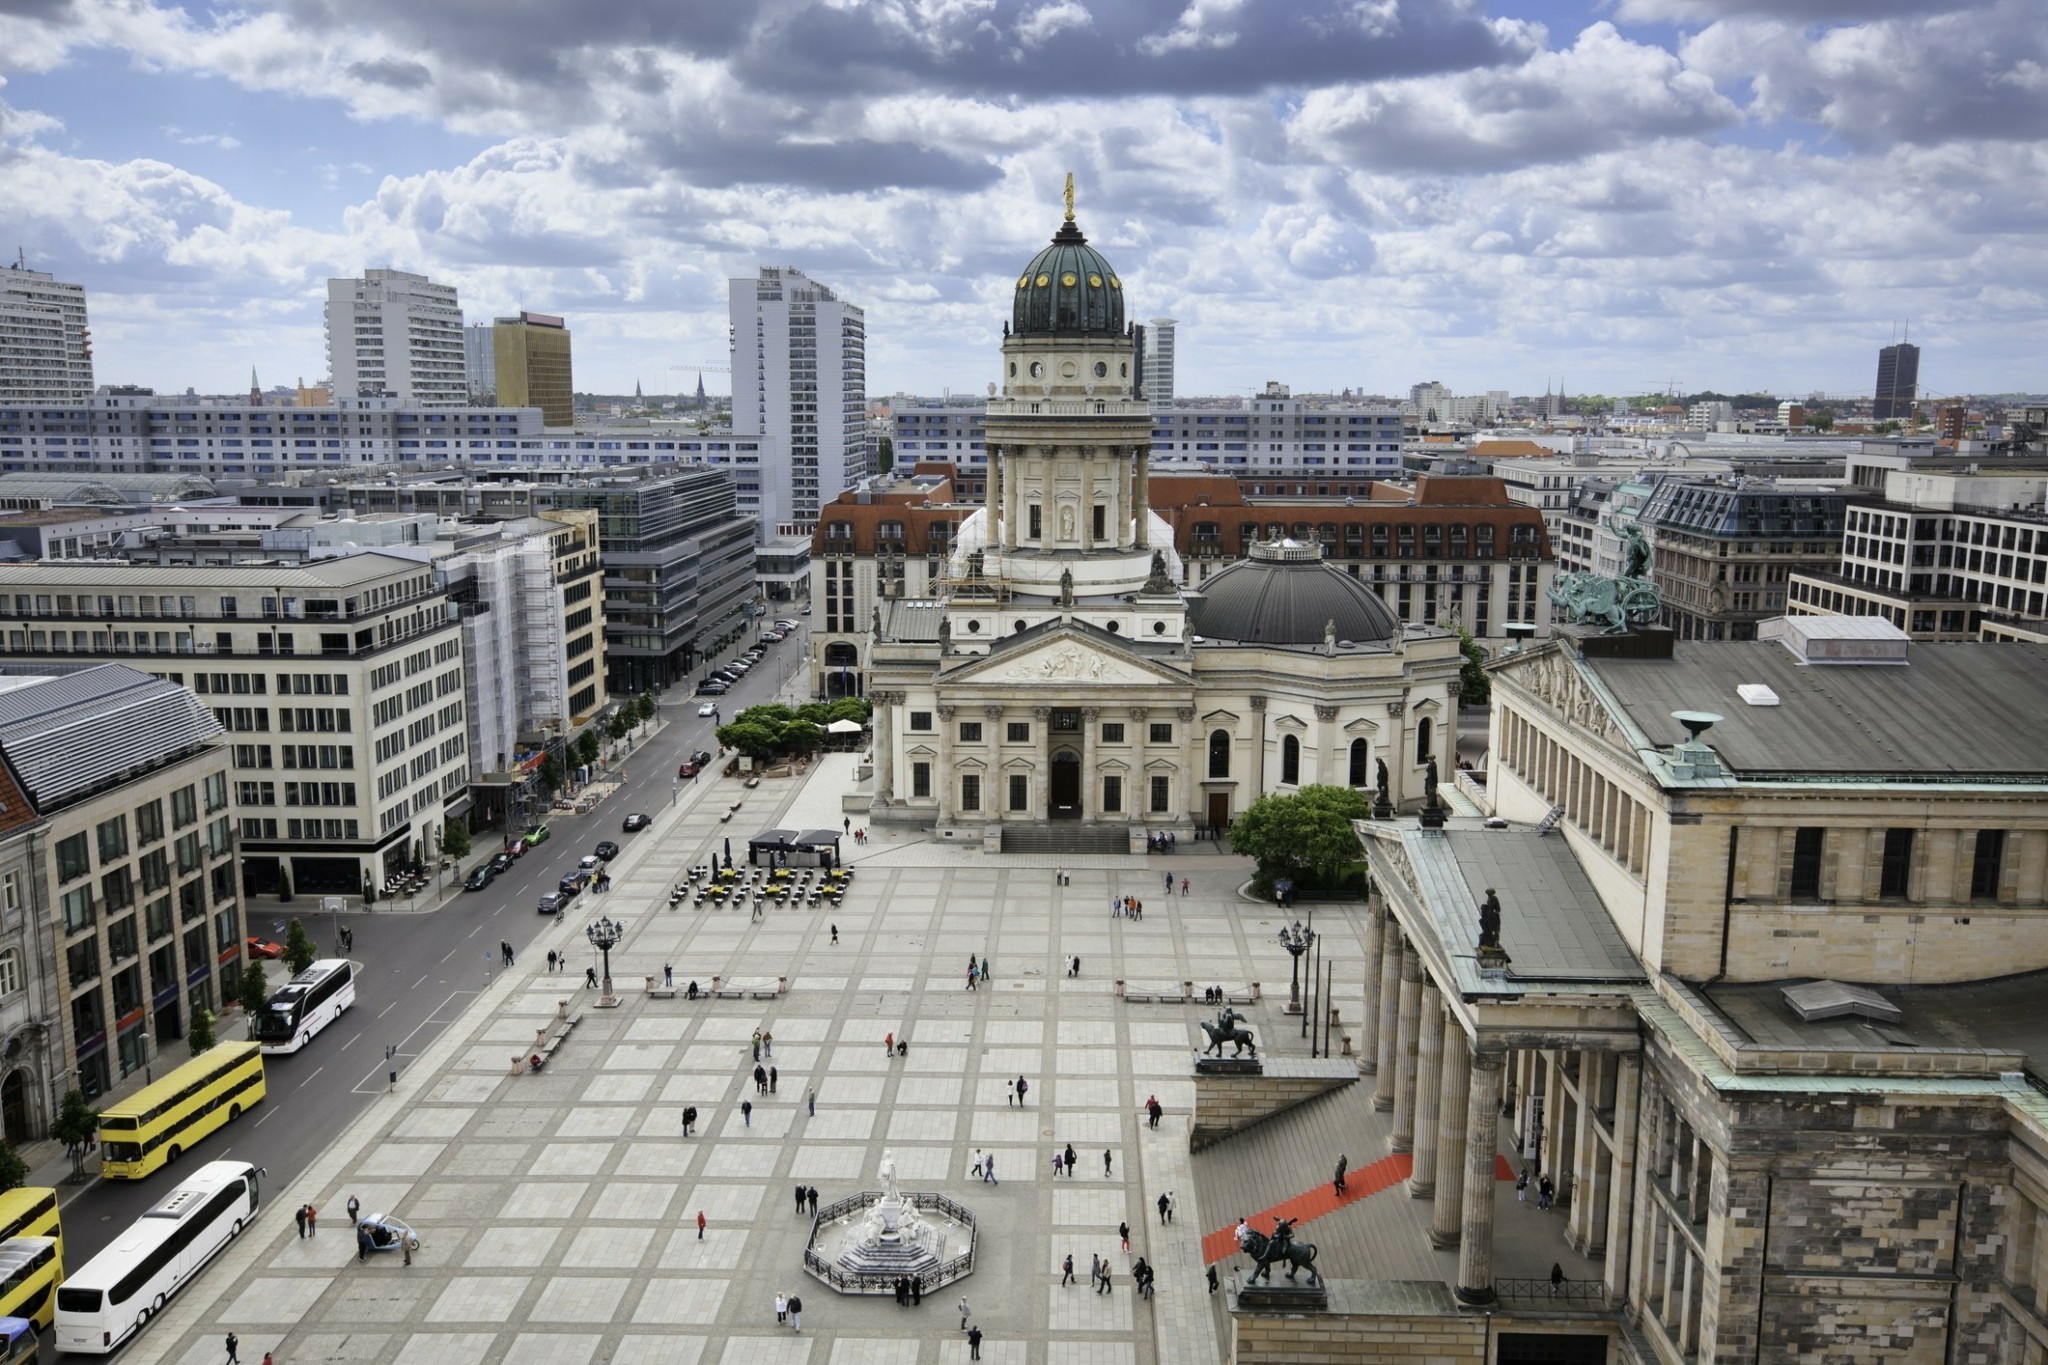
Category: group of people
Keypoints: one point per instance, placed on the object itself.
(806, 1200)
(910, 1292)
(765, 1080)
(1063, 1161)
(1184, 884)
(1019, 1089)
(892, 1046)
(1153, 1111)
(1126, 907)
(505, 952)
(1546, 1189)
(977, 970)
(1161, 842)
(789, 1309)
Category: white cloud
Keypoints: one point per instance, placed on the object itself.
(224, 141)
(1057, 16)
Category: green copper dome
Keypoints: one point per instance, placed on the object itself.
(1067, 289)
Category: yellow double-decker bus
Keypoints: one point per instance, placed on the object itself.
(159, 1123)
(30, 1268)
(30, 1211)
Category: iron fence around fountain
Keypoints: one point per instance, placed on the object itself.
(853, 1282)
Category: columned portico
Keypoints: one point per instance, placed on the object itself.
(1428, 1077)
(1475, 1241)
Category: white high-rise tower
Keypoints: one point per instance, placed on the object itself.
(45, 346)
(1159, 360)
(398, 335)
(799, 384)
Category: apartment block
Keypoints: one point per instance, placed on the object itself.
(1723, 551)
(132, 866)
(530, 356)
(395, 334)
(340, 684)
(45, 345)
(799, 377)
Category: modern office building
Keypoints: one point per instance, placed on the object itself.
(340, 683)
(1898, 382)
(1157, 353)
(677, 555)
(121, 782)
(531, 353)
(480, 363)
(394, 334)
(45, 345)
(799, 385)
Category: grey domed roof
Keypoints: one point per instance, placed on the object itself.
(1068, 288)
(1285, 595)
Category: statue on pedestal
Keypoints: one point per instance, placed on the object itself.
(1489, 921)
(1066, 587)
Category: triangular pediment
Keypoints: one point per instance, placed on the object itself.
(1061, 658)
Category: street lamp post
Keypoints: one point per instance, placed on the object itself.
(148, 1072)
(1296, 941)
(604, 935)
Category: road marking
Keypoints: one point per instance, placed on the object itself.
(266, 1117)
(387, 1009)
(444, 957)
(423, 976)
(349, 1044)
(471, 934)
(316, 1071)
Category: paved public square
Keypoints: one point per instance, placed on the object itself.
(559, 1209)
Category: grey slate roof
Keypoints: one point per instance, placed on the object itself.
(1288, 603)
(1953, 711)
(79, 732)
(2003, 1014)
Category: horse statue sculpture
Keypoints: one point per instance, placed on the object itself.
(1226, 1030)
(1281, 1246)
(1631, 599)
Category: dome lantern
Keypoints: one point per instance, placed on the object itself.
(1068, 289)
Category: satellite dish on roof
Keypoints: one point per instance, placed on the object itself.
(1696, 723)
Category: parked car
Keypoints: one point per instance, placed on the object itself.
(711, 687)
(590, 863)
(806, 611)
(785, 623)
(636, 822)
(537, 835)
(687, 770)
(515, 849)
(501, 864)
(709, 708)
(572, 885)
(263, 947)
(481, 878)
(773, 637)
(701, 758)
(554, 902)
(606, 850)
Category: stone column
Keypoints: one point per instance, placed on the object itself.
(944, 778)
(1369, 1026)
(885, 746)
(1621, 1178)
(1586, 1223)
(1455, 1088)
(1403, 1138)
(1429, 1065)
(1091, 781)
(992, 496)
(1482, 1140)
(1194, 751)
(1326, 746)
(1390, 1010)
(1140, 513)
(1258, 749)
(1087, 513)
(1041, 775)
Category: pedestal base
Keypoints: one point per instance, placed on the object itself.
(1283, 1297)
(607, 1002)
(1229, 1066)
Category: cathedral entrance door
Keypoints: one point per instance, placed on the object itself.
(1219, 811)
(1064, 798)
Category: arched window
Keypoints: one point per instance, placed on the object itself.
(1219, 753)
(10, 972)
(1361, 755)
(1290, 761)
(1424, 732)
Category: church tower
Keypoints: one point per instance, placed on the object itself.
(1067, 528)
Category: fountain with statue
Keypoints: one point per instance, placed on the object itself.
(864, 1243)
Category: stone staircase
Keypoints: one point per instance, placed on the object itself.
(1067, 836)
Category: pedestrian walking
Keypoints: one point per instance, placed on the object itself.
(1172, 1206)
(1070, 1159)
(1104, 1286)
(796, 1314)
(1337, 1184)
(768, 1044)
(988, 1169)
(888, 1044)
(1023, 1089)
(757, 1045)
(700, 1225)
(1012, 1097)
(1057, 1162)
(1169, 883)
(689, 1119)
(590, 978)
(974, 1344)
(1094, 1272)
(1105, 1163)
(760, 1080)
(234, 1342)
(781, 1309)
(1153, 1110)
(799, 1200)
(917, 1291)
(814, 1201)
(312, 1220)
(835, 935)
(1162, 1210)
(811, 1100)
(1123, 1233)
(1522, 1186)
(747, 1113)
(1546, 1192)
(1068, 1267)
(1556, 1279)
(355, 1210)
(1183, 886)
(668, 975)
(551, 959)
(300, 1218)
(362, 1244)
(773, 1077)
(975, 1169)
(964, 1312)
(1212, 1279)
(902, 1291)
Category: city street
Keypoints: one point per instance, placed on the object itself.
(418, 972)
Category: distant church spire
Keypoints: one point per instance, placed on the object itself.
(638, 396)
(700, 388)
(255, 389)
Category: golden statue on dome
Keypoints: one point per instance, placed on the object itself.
(1070, 196)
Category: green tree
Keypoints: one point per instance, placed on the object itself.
(550, 775)
(885, 455)
(852, 708)
(13, 1170)
(76, 1123)
(620, 725)
(284, 886)
(749, 738)
(585, 748)
(1474, 687)
(455, 839)
(201, 1035)
(644, 707)
(298, 947)
(253, 990)
(801, 737)
(1821, 419)
(816, 712)
(1306, 837)
(1888, 427)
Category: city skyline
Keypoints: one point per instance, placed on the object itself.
(1724, 193)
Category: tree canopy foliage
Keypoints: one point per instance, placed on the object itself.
(1306, 837)
(771, 728)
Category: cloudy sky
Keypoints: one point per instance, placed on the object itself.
(1738, 194)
